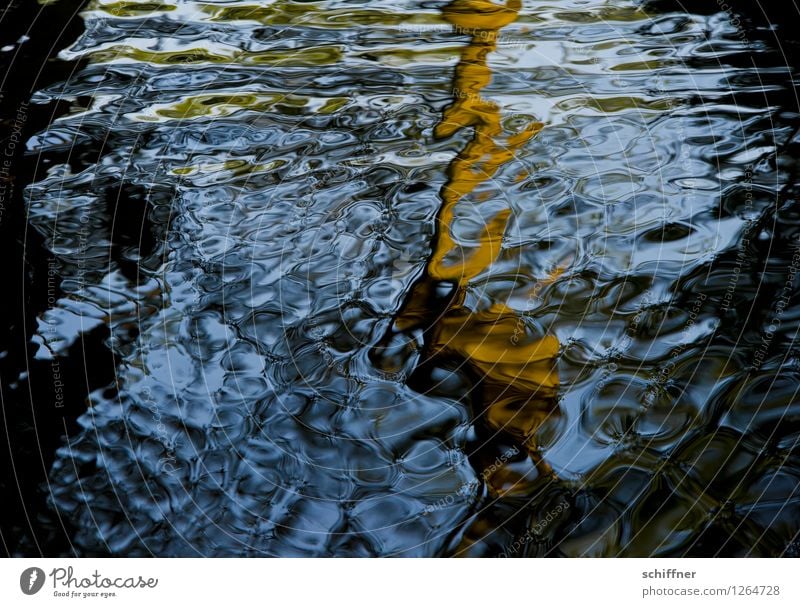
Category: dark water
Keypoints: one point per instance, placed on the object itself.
(418, 279)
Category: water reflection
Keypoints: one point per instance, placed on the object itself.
(417, 280)
(515, 367)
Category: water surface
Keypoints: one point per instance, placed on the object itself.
(424, 279)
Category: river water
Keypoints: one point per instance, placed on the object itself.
(423, 279)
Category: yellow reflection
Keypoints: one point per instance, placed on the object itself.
(519, 379)
(225, 104)
(311, 14)
(322, 55)
(131, 9)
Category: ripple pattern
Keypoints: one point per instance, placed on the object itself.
(249, 196)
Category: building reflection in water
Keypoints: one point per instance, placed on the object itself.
(511, 366)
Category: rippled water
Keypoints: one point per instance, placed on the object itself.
(424, 278)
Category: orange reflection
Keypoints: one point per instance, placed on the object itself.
(518, 376)
(488, 150)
